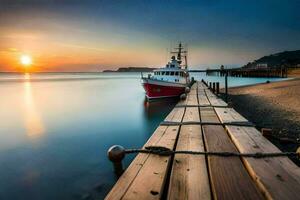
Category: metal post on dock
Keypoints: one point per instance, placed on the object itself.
(209, 85)
(226, 86)
(214, 87)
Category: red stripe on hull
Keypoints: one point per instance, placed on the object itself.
(157, 91)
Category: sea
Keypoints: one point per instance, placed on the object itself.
(56, 128)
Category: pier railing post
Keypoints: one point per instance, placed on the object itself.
(218, 88)
(209, 85)
(214, 87)
(226, 86)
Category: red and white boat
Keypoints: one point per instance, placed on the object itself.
(169, 81)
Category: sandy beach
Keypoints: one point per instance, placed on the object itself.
(274, 105)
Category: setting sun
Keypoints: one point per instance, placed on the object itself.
(25, 60)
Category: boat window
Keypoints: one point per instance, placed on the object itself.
(181, 74)
(163, 73)
(167, 73)
(176, 73)
(172, 65)
(172, 74)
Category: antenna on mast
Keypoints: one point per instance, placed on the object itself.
(181, 53)
(185, 57)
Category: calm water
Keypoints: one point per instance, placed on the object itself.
(55, 130)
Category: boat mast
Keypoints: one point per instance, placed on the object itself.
(179, 56)
(179, 53)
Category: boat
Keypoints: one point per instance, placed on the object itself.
(170, 81)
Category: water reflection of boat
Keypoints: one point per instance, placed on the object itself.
(169, 81)
(154, 109)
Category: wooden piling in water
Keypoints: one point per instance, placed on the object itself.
(226, 87)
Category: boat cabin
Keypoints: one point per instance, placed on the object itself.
(171, 73)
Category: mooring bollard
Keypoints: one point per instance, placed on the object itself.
(187, 89)
(183, 96)
(209, 85)
(115, 154)
(192, 79)
(214, 87)
(218, 87)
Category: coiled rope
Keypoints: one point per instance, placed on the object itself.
(163, 151)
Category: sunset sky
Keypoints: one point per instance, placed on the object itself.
(92, 35)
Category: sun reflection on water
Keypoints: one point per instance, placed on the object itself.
(34, 125)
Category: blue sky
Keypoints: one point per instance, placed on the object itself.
(228, 32)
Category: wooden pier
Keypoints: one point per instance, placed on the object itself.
(188, 176)
(245, 72)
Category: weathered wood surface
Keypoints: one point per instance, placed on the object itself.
(229, 178)
(279, 177)
(145, 177)
(214, 100)
(202, 98)
(189, 177)
(211, 177)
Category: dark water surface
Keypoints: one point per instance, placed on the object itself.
(55, 130)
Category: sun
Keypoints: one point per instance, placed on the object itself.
(25, 60)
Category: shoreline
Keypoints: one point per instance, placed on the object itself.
(274, 105)
(257, 84)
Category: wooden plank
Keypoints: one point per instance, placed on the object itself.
(201, 85)
(229, 178)
(214, 100)
(128, 177)
(208, 115)
(229, 115)
(192, 100)
(193, 90)
(278, 178)
(189, 177)
(202, 98)
(190, 97)
(150, 181)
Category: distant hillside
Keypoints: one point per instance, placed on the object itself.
(132, 69)
(286, 58)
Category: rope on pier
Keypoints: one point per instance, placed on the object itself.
(163, 151)
(243, 123)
